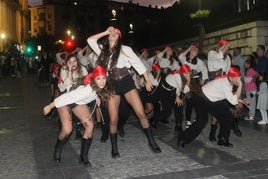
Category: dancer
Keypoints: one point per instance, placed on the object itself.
(211, 99)
(117, 59)
(95, 86)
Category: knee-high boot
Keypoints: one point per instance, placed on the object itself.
(235, 127)
(83, 158)
(151, 142)
(58, 148)
(105, 132)
(212, 134)
(114, 152)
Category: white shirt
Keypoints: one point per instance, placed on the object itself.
(165, 62)
(220, 89)
(127, 57)
(217, 61)
(66, 81)
(59, 59)
(86, 60)
(81, 95)
(175, 81)
(198, 67)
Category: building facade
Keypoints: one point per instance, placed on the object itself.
(14, 22)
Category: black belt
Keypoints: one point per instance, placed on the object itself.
(118, 73)
(166, 86)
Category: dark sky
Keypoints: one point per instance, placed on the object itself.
(159, 3)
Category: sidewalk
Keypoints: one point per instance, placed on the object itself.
(27, 141)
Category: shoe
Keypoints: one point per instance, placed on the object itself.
(249, 118)
(188, 124)
(121, 132)
(153, 123)
(178, 128)
(165, 121)
(262, 122)
(180, 143)
(224, 142)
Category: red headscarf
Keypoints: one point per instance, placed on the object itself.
(184, 69)
(233, 72)
(155, 67)
(222, 42)
(97, 71)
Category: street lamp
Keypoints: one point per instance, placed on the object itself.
(114, 15)
(3, 36)
(68, 32)
(131, 28)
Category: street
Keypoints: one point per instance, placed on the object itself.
(27, 140)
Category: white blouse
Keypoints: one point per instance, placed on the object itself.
(220, 89)
(217, 61)
(175, 81)
(127, 57)
(66, 81)
(199, 67)
(81, 95)
(165, 62)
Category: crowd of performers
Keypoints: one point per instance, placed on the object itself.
(102, 82)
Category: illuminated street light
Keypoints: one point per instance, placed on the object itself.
(114, 15)
(3, 36)
(68, 32)
(72, 37)
(131, 28)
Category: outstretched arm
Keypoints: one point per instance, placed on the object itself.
(48, 108)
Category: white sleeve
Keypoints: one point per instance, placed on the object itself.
(215, 60)
(134, 60)
(182, 58)
(203, 69)
(94, 45)
(232, 98)
(81, 94)
(59, 59)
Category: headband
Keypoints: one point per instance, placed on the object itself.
(97, 71)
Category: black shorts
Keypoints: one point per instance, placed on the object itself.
(73, 105)
(124, 85)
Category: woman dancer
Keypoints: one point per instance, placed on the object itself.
(76, 101)
(117, 59)
(210, 99)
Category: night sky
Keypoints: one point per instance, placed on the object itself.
(159, 3)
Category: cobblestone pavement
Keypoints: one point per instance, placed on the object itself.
(27, 140)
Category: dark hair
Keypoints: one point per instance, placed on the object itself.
(106, 53)
(103, 93)
(79, 66)
(193, 61)
(238, 49)
(264, 75)
(251, 61)
(262, 47)
(194, 86)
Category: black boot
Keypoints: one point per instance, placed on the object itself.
(78, 133)
(105, 133)
(86, 143)
(114, 152)
(224, 142)
(153, 122)
(235, 127)
(58, 148)
(180, 142)
(178, 128)
(151, 142)
(212, 134)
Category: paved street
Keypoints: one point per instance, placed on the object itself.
(27, 140)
